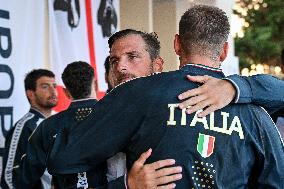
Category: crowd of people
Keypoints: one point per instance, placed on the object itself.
(189, 128)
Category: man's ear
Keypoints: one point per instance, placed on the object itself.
(94, 88)
(106, 78)
(224, 52)
(67, 93)
(177, 45)
(31, 95)
(158, 64)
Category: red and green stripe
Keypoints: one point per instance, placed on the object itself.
(205, 145)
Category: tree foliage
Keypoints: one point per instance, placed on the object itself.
(264, 35)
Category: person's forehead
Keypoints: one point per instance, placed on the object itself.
(45, 79)
(128, 43)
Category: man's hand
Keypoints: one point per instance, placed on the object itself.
(150, 176)
(214, 94)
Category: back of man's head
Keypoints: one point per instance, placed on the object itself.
(78, 79)
(108, 75)
(203, 31)
(32, 77)
(107, 65)
(151, 40)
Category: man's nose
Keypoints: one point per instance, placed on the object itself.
(122, 65)
(53, 90)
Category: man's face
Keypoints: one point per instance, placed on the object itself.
(45, 95)
(129, 59)
(109, 78)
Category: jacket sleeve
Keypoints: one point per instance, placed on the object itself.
(22, 147)
(262, 90)
(5, 158)
(22, 143)
(123, 121)
(32, 165)
(270, 158)
(119, 183)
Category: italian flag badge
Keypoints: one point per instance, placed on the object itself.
(205, 145)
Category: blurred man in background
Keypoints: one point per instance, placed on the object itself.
(40, 87)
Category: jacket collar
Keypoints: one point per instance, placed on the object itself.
(83, 103)
(37, 112)
(198, 69)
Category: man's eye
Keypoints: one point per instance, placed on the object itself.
(132, 56)
(112, 62)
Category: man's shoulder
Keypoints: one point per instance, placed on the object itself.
(18, 127)
(152, 82)
(28, 116)
(56, 116)
(162, 87)
(28, 121)
(248, 108)
(252, 115)
(55, 121)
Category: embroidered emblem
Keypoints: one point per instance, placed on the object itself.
(82, 181)
(82, 113)
(205, 146)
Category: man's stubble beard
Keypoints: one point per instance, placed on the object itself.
(120, 79)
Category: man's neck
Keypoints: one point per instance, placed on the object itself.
(44, 111)
(93, 95)
(197, 59)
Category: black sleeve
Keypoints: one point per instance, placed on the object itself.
(270, 160)
(262, 90)
(119, 183)
(107, 131)
(22, 143)
(5, 157)
(32, 164)
(22, 147)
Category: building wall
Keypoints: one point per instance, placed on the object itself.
(136, 15)
(162, 16)
(165, 21)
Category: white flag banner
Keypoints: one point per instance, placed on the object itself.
(67, 34)
(106, 22)
(49, 34)
(23, 47)
(68, 39)
(79, 30)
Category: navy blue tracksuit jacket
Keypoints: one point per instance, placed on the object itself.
(235, 147)
(33, 164)
(16, 146)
